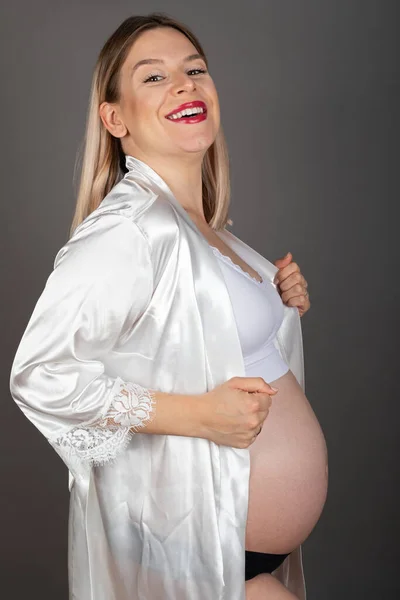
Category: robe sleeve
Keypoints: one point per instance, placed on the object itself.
(100, 286)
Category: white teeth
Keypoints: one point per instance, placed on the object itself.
(187, 112)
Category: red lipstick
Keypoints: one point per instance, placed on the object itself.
(191, 118)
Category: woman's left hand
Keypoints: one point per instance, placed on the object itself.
(291, 284)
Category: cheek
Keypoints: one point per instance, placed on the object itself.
(212, 93)
(144, 106)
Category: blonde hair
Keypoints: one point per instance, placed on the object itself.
(103, 160)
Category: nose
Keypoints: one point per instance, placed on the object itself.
(185, 83)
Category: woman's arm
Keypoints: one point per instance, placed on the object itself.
(101, 284)
(231, 414)
(177, 414)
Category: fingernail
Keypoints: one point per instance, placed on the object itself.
(272, 388)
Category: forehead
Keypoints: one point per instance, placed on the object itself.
(164, 43)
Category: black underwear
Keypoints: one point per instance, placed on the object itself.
(261, 562)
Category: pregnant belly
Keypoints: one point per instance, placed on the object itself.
(288, 473)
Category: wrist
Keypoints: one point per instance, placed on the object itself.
(179, 414)
(199, 410)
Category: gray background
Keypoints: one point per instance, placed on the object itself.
(309, 98)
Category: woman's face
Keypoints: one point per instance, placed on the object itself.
(152, 90)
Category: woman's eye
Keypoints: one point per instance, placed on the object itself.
(151, 78)
(198, 70)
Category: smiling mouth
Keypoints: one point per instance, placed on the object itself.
(188, 112)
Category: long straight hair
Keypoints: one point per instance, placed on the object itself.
(103, 160)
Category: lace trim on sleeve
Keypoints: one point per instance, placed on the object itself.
(102, 440)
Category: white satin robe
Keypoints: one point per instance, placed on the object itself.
(137, 302)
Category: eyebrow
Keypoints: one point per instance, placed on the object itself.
(152, 61)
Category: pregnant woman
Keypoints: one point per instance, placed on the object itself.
(161, 362)
(289, 466)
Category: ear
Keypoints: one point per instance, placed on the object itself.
(112, 121)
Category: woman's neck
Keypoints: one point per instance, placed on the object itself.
(184, 179)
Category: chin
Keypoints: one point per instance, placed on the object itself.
(200, 143)
(193, 148)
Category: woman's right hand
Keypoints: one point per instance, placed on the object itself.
(235, 411)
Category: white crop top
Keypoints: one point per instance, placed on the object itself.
(258, 311)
